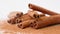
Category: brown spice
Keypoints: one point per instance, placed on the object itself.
(25, 24)
(15, 14)
(34, 14)
(11, 21)
(45, 21)
(41, 9)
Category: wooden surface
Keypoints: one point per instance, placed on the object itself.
(6, 28)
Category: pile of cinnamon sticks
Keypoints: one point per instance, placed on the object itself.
(35, 18)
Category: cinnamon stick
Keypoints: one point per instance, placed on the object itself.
(25, 24)
(27, 16)
(16, 20)
(15, 14)
(41, 9)
(34, 14)
(11, 21)
(45, 21)
(30, 18)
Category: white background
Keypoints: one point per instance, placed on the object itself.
(7, 6)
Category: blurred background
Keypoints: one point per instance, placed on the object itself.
(7, 6)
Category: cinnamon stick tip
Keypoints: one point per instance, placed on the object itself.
(29, 5)
(20, 26)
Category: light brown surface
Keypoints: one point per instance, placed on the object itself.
(6, 28)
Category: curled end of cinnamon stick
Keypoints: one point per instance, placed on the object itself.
(18, 20)
(29, 5)
(20, 26)
(12, 21)
(34, 25)
(19, 14)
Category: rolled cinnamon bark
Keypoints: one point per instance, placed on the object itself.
(18, 19)
(45, 21)
(25, 17)
(11, 21)
(41, 9)
(13, 17)
(29, 15)
(25, 24)
(34, 14)
(15, 14)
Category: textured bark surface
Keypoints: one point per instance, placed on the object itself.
(46, 21)
(41, 9)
